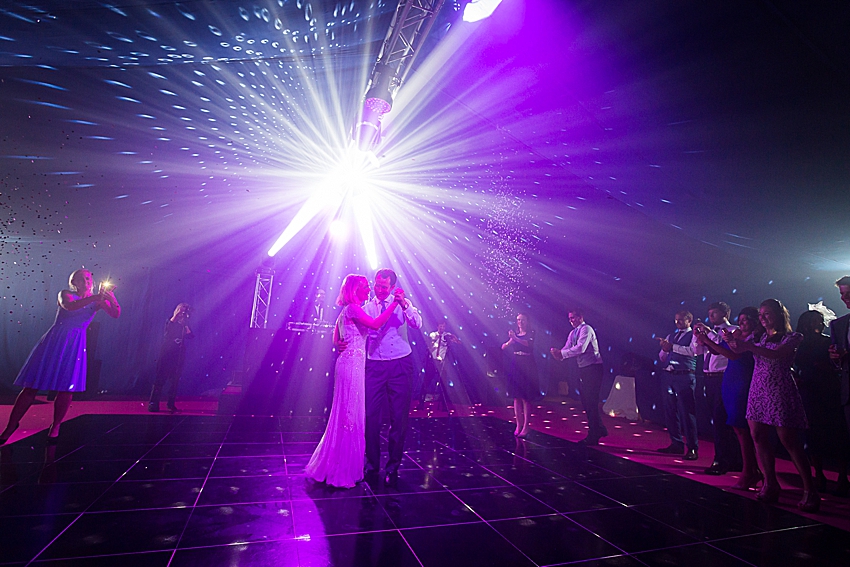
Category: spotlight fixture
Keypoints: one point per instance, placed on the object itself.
(478, 10)
(405, 37)
(378, 101)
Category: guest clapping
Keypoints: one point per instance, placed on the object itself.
(522, 371)
(583, 346)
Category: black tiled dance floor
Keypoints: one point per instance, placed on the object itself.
(207, 491)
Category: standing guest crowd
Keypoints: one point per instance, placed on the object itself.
(762, 379)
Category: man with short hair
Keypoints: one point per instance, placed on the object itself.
(389, 374)
(438, 345)
(727, 452)
(839, 331)
(679, 381)
(583, 346)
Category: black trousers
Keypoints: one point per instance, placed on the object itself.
(726, 449)
(387, 382)
(168, 369)
(434, 381)
(680, 408)
(591, 382)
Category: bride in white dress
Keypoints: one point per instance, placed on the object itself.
(338, 460)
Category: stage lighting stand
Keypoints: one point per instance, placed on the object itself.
(410, 25)
(262, 297)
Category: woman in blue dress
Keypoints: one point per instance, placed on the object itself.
(58, 361)
(736, 389)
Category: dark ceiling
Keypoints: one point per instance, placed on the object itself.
(627, 157)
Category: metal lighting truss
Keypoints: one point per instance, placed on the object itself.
(409, 27)
(262, 298)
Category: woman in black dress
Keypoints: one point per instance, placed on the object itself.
(522, 371)
(820, 388)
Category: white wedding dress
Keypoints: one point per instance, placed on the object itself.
(338, 460)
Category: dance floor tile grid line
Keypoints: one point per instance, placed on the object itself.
(187, 490)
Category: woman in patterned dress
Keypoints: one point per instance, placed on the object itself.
(338, 459)
(58, 361)
(774, 401)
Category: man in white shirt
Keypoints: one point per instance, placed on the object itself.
(583, 346)
(679, 380)
(727, 452)
(317, 310)
(389, 374)
(438, 346)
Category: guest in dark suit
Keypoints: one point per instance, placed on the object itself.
(172, 357)
(838, 331)
(679, 375)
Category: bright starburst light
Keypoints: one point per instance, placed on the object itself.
(478, 10)
(236, 137)
(348, 180)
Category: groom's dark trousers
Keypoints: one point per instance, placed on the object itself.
(387, 381)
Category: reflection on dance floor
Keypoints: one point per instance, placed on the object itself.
(188, 490)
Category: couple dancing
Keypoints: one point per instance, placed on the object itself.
(374, 365)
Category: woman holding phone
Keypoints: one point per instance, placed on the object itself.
(58, 361)
(735, 388)
(774, 402)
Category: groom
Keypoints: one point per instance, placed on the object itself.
(389, 374)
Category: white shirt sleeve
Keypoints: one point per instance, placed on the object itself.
(581, 344)
(412, 316)
(686, 350)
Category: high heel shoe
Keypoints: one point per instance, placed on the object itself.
(810, 502)
(747, 482)
(52, 439)
(4, 440)
(769, 494)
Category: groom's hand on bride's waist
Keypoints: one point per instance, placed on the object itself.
(341, 346)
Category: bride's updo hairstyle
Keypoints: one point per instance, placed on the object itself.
(348, 292)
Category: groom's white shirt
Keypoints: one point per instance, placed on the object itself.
(390, 341)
